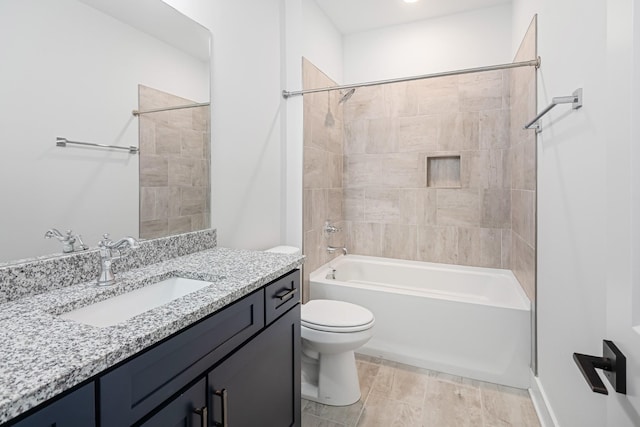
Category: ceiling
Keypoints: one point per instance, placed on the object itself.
(352, 16)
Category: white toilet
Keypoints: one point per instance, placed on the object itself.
(331, 332)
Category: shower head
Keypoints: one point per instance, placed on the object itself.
(346, 95)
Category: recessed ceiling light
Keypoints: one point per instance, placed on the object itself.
(411, 1)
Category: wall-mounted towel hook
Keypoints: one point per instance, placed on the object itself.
(575, 99)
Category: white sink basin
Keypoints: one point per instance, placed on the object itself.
(123, 307)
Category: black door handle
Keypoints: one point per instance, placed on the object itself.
(612, 362)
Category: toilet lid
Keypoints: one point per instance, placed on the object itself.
(335, 316)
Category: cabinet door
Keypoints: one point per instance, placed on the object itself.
(75, 409)
(183, 411)
(259, 385)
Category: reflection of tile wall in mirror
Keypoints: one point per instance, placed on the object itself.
(174, 165)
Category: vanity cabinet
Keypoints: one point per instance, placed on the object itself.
(259, 384)
(238, 367)
(74, 409)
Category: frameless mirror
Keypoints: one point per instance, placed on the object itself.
(76, 69)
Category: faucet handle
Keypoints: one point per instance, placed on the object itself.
(329, 228)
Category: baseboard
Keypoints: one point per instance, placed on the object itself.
(541, 404)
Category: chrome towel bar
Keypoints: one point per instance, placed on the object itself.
(575, 99)
(62, 142)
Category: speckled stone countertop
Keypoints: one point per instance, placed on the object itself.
(43, 355)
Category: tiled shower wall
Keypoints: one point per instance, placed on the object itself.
(323, 147)
(426, 170)
(523, 157)
(175, 189)
(432, 170)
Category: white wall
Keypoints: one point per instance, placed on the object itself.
(465, 40)
(69, 70)
(247, 135)
(572, 200)
(322, 41)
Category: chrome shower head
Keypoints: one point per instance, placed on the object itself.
(346, 95)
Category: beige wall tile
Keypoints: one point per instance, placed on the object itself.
(307, 210)
(438, 244)
(356, 133)
(147, 204)
(496, 208)
(523, 215)
(436, 96)
(353, 204)
(154, 228)
(315, 174)
(334, 203)
(154, 171)
(399, 241)
(475, 169)
(426, 207)
(175, 201)
(181, 171)
(334, 169)
(400, 100)
(480, 247)
(418, 133)
(523, 264)
(458, 207)
(365, 103)
(363, 170)
(506, 248)
(402, 170)
(391, 206)
(192, 144)
(162, 202)
(382, 136)
(365, 238)
(458, 131)
(168, 140)
(481, 91)
(147, 133)
(192, 201)
(494, 129)
(180, 224)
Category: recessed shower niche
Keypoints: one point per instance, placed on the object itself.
(443, 171)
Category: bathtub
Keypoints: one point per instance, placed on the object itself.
(468, 321)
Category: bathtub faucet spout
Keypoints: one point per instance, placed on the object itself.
(332, 249)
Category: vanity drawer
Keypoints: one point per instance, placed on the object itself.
(137, 387)
(281, 295)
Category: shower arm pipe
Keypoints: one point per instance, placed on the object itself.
(531, 63)
(575, 99)
(177, 107)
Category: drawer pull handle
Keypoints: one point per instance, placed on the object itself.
(286, 294)
(204, 415)
(223, 395)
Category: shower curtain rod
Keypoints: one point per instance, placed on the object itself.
(532, 63)
(177, 107)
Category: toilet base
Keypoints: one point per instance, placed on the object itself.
(331, 380)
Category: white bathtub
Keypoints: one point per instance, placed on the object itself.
(467, 321)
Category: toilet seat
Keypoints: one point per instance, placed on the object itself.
(335, 316)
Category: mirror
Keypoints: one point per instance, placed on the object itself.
(74, 69)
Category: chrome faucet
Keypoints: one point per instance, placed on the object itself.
(332, 249)
(107, 246)
(67, 240)
(330, 228)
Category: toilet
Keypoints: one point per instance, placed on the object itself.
(331, 331)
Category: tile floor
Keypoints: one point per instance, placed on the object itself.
(394, 394)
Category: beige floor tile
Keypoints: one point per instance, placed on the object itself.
(449, 404)
(380, 411)
(367, 373)
(507, 407)
(309, 420)
(343, 415)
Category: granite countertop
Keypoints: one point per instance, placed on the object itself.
(43, 355)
